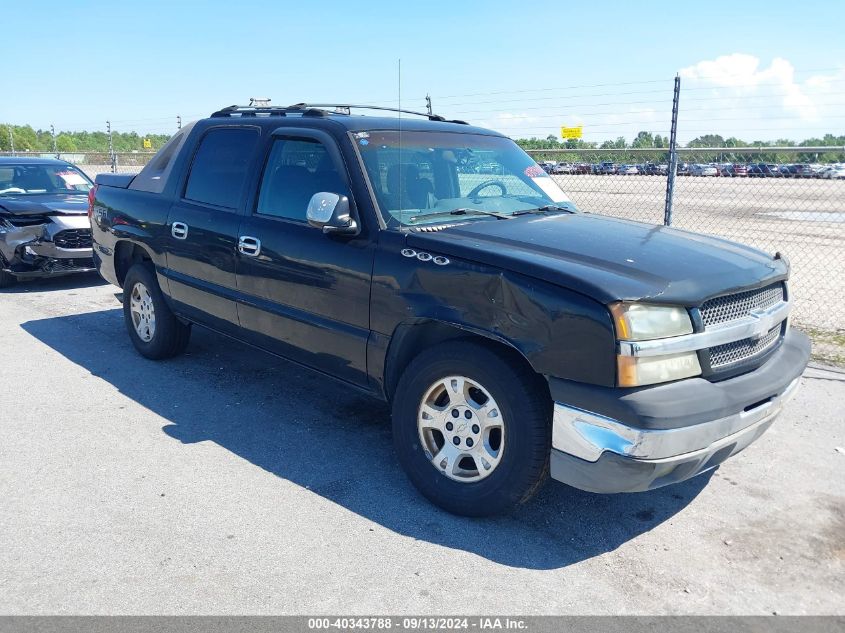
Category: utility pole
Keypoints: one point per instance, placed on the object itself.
(53, 134)
(428, 104)
(11, 139)
(673, 155)
(178, 122)
(111, 148)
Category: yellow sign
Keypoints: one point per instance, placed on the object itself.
(572, 132)
(148, 144)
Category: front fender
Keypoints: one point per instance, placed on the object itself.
(560, 332)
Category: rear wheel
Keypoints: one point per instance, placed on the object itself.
(155, 331)
(472, 428)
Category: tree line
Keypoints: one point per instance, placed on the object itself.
(647, 140)
(28, 139)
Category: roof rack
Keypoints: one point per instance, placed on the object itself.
(250, 110)
(316, 109)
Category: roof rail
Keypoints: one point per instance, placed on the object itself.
(317, 109)
(250, 110)
(344, 108)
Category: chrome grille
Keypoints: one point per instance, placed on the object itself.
(738, 351)
(736, 306)
(73, 238)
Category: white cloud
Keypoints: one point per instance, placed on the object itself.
(736, 95)
(740, 75)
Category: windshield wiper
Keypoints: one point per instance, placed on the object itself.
(461, 211)
(544, 209)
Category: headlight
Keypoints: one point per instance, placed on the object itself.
(641, 321)
(636, 371)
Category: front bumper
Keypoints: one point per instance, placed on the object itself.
(29, 251)
(640, 439)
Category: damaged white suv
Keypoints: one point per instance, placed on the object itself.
(44, 227)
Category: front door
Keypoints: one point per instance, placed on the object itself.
(203, 227)
(304, 294)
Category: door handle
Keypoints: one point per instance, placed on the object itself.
(179, 230)
(249, 245)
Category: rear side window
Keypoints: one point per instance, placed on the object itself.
(220, 166)
(154, 176)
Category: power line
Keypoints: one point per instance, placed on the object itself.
(502, 92)
(636, 121)
(632, 83)
(596, 94)
(639, 102)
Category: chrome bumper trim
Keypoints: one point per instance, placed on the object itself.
(587, 435)
(755, 325)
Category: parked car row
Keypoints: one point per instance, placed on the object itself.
(604, 168)
(768, 170)
(730, 170)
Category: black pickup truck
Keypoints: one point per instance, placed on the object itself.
(513, 335)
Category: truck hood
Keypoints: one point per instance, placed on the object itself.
(44, 204)
(609, 259)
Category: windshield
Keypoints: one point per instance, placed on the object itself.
(18, 179)
(424, 177)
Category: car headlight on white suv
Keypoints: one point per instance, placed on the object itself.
(646, 322)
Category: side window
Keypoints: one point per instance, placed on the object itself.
(295, 171)
(220, 166)
(154, 175)
(7, 175)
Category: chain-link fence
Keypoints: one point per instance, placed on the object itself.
(93, 163)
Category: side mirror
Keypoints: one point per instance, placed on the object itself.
(330, 212)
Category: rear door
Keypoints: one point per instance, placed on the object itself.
(304, 294)
(202, 227)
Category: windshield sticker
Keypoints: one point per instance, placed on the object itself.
(550, 188)
(71, 178)
(363, 141)
(534, 171)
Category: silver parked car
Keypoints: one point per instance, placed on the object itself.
(833, 172)
(627, 170)
(703, 170)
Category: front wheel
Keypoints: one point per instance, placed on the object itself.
(155, 331)
(472, 428)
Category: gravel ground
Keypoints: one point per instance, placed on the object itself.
(229, 482)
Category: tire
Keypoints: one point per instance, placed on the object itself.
(143, 305)
(476, 482)
(6, 279)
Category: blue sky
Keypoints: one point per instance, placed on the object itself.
(524, 68)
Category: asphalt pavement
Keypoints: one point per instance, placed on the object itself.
(227, 481)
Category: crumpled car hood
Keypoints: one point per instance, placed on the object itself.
(609, 259)
(44, 204)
